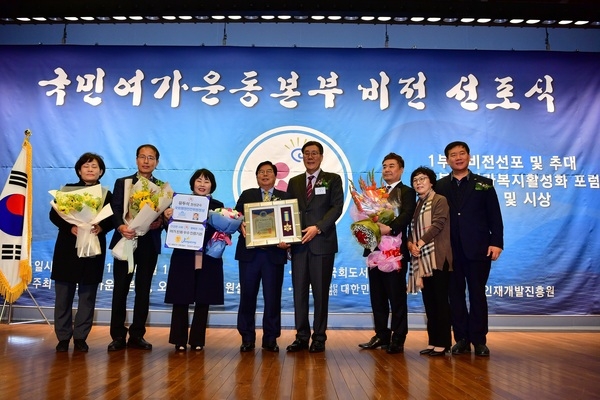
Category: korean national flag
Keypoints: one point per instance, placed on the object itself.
(15, 227)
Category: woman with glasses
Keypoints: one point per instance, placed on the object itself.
(429, 245)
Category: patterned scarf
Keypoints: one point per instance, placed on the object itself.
(424, 264)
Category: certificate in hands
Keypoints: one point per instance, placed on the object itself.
(188, 223)
(272, 222)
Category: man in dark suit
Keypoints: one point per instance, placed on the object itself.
(477, 236)
(387, 290)
(320, 202)
(145, 258)
(260, 264)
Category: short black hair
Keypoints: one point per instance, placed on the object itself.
(208, 175)
(88, 157)
(262, 164)
(394, 156)
(452, 145)
(313, 143)
(428, 172)
(150, 146)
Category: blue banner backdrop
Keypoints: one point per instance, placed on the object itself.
(531, 119)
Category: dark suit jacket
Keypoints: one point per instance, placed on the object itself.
(66, 266)
(322, 210)
(405, 197)
(242, 253)
(118, 205)
(476, 223)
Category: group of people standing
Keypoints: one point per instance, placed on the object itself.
(450, 236)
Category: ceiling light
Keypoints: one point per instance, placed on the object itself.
(149, 18)
(581, 22)
(367, 18)
(549, 21)
(484, 20)
(268, 17)
(131, 17)
(73, 18)
(251, 17)
(284, 17)
(532, 21)
(595, 23)
(234, 17)
(565, 22)
(500, 21)
(218, 17)
(300, 17)
(434, 19)
(417, 19)
(41, 19)
(467, 20)
(317, 17)
(334, 17)
(450, 20)
(350, 18)
(400, 19)
(384, 19)
(202, 17)
(121, 18)
(58, 19)
(516, 21)
(23, 19)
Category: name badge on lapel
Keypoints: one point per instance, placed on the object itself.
(320, 190)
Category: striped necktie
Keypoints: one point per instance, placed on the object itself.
(309, 188)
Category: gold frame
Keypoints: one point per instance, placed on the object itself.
(272, 222)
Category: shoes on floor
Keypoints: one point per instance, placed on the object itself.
(62, 346)
(246, 347)
(317, 346)
(271, 346)
(425, 351)
(297, 345)
(196, 347)
(139, 343)
(117, 344)
(437, 353)
(81, 345)
(395, 347)
(374, 343)
(482, 350)
(461, 347)
(179, 348)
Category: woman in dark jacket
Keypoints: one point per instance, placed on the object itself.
(194, 277)
(71, 272)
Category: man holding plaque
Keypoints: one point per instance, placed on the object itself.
(260, 263)
(320, 202)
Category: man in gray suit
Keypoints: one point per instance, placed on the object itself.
(320, 202)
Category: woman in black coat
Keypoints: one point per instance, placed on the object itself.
(71, 272)
(194, 277)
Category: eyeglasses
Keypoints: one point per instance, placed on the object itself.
(311, 154)
(266, 172)
(420, 179)
(148, 158)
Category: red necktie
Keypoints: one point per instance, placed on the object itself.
(309, 188)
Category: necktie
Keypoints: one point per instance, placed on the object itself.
(266, 196)
(309, 188)
(389, 188)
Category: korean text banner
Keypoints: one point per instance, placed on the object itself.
(531, 120)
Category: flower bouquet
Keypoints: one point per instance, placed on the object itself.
(370, 206)
(388, 257)
(83, 207)
(146, 201)
(226, 221)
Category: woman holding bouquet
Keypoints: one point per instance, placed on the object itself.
(70, 272)
(194, 277)
(429, 245)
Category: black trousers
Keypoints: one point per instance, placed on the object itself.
(387, 291)
(180, 323)
(63, 309)
(145, 258)
(437, 308)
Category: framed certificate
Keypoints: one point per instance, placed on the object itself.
(271, 222)
(188, 223)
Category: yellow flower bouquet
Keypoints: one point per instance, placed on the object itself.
(83, 207)
(146, 202)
